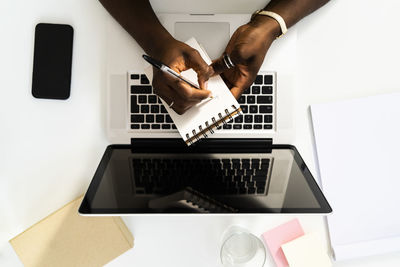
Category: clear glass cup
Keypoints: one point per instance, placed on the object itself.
(240, 248)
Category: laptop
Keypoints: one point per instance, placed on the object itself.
(237, 169)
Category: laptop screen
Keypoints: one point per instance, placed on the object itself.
(273, 181)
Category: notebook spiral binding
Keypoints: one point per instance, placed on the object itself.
(210, 126)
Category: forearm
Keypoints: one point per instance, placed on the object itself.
(139, 20)
(290, 10)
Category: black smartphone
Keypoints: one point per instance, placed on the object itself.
(52, 61)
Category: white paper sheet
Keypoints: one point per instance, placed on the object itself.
(358, 146)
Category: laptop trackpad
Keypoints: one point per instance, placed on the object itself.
(213, 36)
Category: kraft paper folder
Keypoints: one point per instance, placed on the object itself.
(65, 238)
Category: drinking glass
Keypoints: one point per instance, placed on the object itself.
(240, 248)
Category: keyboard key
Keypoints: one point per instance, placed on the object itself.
(163, 110)
(261, 173)
(142, 99)
(155, 126)
(245, 108)
(159, 118)
(140, 89)
(246, 165)
(134, 105)
(155, 108)
(267, 90)
(267, 79)
(173, 126)
(239, 171)
(259, 79)
(253, 109)
(247, 91)
(261, 184)
(258, 119)
(227, 126)
(257, 126)
(264, 99)
(235, 161)
(226, 161)
(247, 126)
(150, 118)
(159, 100)
(239, 119)
(251, 190)
(255, 89)
(264, 161)
(242, 100)
(265, 109)
(145, 126)
(152, 99)
(134, 76)
(267, 126)
(248, 118)
(260, 190)
(137, 118)
(251, 99)
(260, 177)
(268, 118)
(237, 126)
(143, 79)
(264, 167)
(144, 108)
(168, 118)
(247, 178)
(135, 126)
(166, 126)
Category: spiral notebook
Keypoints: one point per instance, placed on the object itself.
(202, 119)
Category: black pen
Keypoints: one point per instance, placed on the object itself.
(164, 68)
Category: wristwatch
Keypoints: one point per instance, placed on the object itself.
(275, 16)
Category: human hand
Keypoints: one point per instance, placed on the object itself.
(247, 49)
(180, 57)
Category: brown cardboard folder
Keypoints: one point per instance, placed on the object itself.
(65, 238)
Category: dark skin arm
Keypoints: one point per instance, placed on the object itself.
(138, 19)
(250, 42)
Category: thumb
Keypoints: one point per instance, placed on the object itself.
(218, 66)
(204, 71)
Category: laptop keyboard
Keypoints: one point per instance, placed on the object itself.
(257, 103)
(230, 176)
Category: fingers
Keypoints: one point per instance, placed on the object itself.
(181, 94)
(219, 66)
(226, 62)
(185, 91)
(203, 70)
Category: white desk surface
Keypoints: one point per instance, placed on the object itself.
(50, 149)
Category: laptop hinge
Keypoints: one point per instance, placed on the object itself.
(212, 145)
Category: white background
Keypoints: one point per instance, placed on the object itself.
(50, 149)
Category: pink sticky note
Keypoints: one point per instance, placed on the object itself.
(280, 235)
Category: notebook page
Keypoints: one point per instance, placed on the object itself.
(201, 114)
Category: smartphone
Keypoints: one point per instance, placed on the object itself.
(52, 61)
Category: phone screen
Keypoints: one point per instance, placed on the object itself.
(52, 61)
